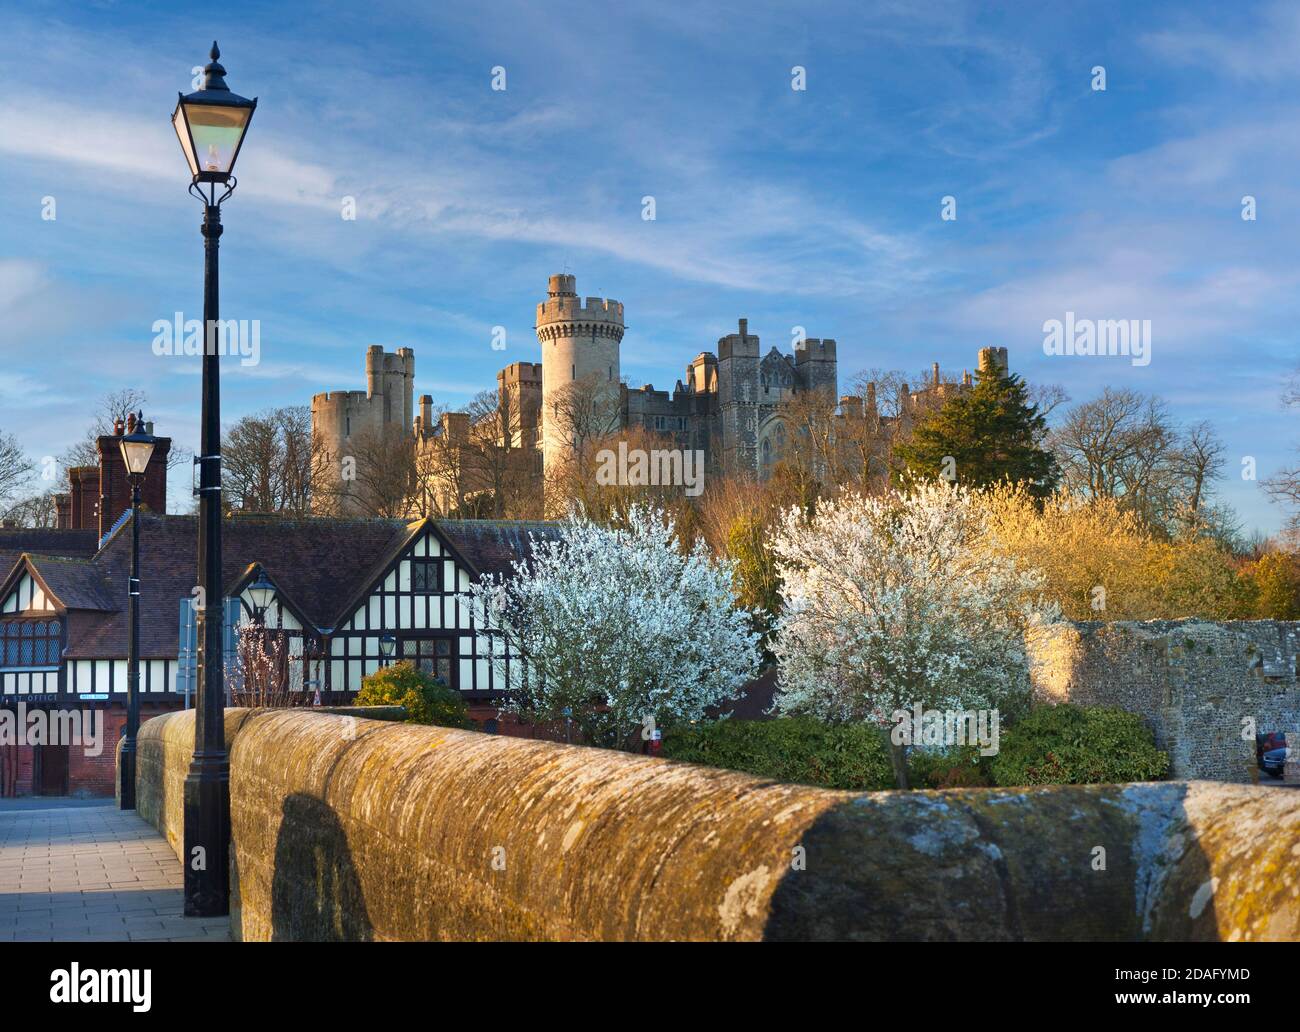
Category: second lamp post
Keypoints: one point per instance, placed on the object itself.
(137, 449)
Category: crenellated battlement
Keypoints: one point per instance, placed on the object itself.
(569, 309)
(815, 350)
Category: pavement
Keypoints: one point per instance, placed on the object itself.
(79, 870)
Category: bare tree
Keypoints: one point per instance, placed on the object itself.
(115, 406)
(1047, 396)
(1200, 461)
(14, 467)
(34, 511)
(581, 413)
(507, 474)
(1284, 485)
(811, 454)
(270, 461)
(383, 482)
(1125, 445)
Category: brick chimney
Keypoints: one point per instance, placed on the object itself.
(115, 487)
(83, 505)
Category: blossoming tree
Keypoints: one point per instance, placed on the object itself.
(898, 600)
(620, 628)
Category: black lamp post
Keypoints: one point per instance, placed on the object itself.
(137, 449)
(387, 646)
(210, 125)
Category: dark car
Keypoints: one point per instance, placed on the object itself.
(1271, 751)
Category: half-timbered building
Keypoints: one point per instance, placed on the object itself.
(349, 596)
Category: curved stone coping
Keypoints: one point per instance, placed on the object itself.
(347, 828)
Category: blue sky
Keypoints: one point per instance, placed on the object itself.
(818, 208)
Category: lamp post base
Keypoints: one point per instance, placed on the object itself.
(206, 857)
(126, 776)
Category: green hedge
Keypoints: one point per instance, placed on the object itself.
(796, 749)
(1052, 745)
(1078, 745)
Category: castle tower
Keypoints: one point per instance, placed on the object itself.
(993, 359)
(386, 405)
(817, 365)
(580, 358)
(738, 397)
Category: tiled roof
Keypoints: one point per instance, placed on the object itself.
(77, 583)
(319, 564)
(76, 544)
(494, 545)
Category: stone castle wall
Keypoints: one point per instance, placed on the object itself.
(1204, 688)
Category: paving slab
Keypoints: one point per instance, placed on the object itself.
(76, 870)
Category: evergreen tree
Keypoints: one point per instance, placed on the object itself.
(992, 433)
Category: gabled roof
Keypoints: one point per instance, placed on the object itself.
(481, 546)
(321, 567)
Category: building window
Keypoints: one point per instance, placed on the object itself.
(29, 643)
(432, 656)
(426, 576)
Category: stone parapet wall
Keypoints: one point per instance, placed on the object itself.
(1204, 688)
(163, 749)
(357, 829)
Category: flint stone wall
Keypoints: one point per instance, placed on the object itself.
(356, 829)
(1196, 683)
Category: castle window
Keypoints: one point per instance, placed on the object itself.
(573, 372)
(611, 374)
(426, 576)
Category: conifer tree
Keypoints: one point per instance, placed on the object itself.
(983, 436)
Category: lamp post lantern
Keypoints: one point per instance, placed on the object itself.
(210, 125)
(137, 449)
(262, 593)
(387, 646)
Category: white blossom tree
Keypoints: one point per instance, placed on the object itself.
(897, 600)
(619, 628)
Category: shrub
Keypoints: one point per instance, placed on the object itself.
(958, 767)
(803, 750)
(1276, 576)
(427, 699)
(1077, 745)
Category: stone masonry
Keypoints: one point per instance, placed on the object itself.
(1204, 688)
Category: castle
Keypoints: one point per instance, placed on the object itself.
(731, 406)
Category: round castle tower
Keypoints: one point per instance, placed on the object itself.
(580, 342)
